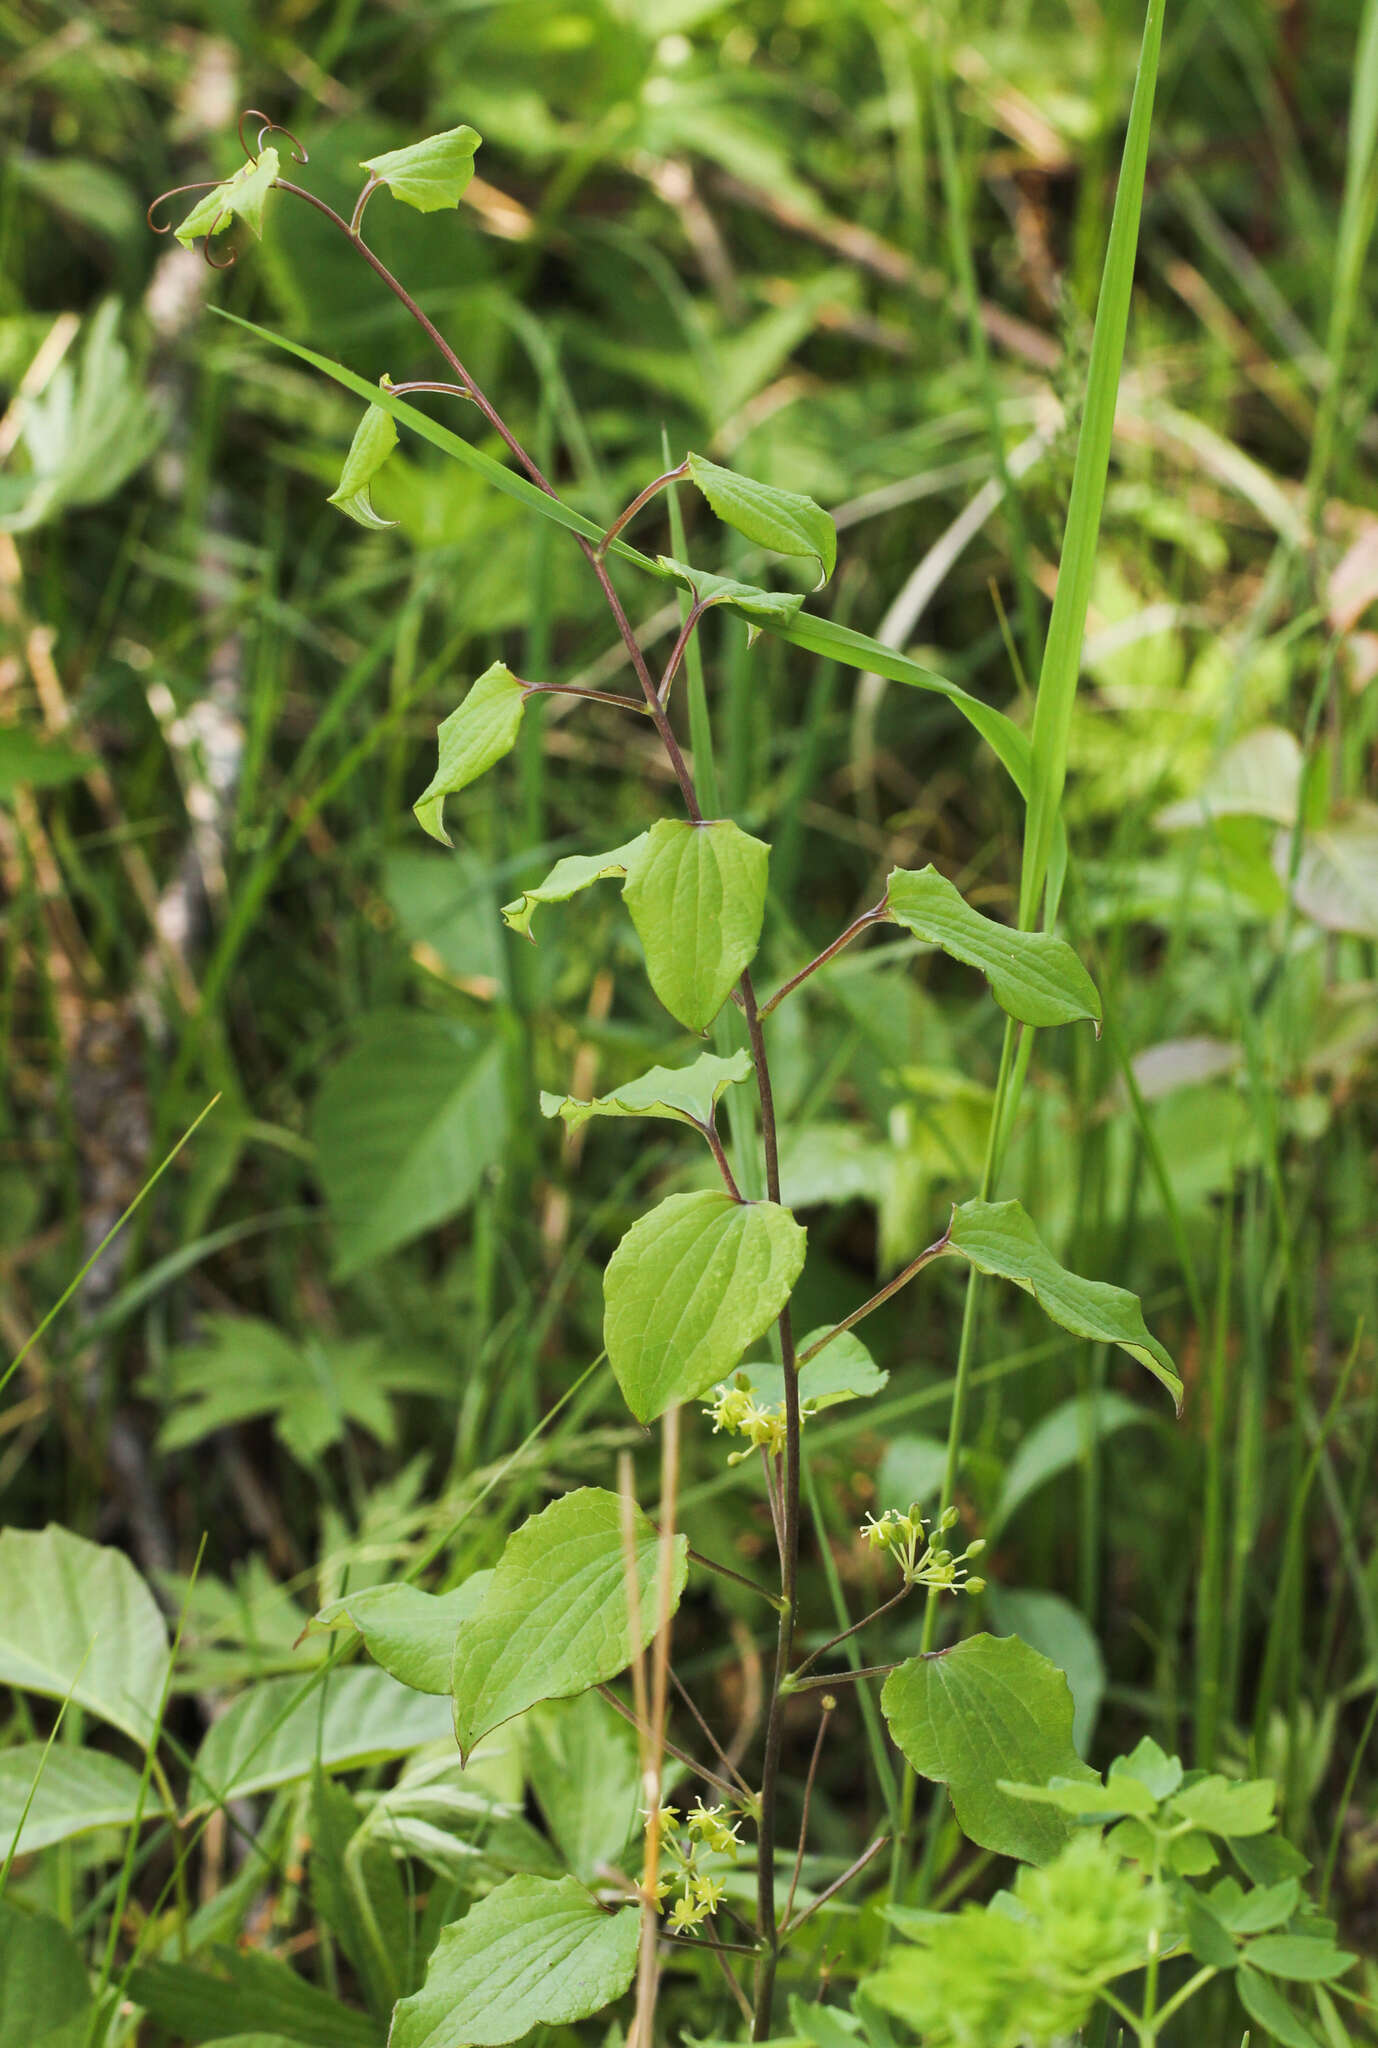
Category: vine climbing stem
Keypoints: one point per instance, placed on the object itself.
(655, 695)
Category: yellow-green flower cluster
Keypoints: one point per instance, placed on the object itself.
(707, 1832)
(923, 1562)
(737, 1412)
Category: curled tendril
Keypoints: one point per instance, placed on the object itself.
(202, 185)
(231, 253)
(298, 153)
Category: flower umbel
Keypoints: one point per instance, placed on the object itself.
(922, 1560)
(708, 1837)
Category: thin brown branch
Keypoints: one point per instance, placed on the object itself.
(829, 1708)
(833, 1641)
(853, 1870)
(901, 1279)
(682, 1756)
(877, 914)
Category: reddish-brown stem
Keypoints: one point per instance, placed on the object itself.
(537, 476)
(430, 384)
(901, 1279)
(593, 696)
(699, 1770)
(715, 1146)
(852, 1870)
(660, 483)
(719, 1752)
(361, 202)
(829, 1705)
(786, 1510)
(833, 1641)
(877, 914)
(677, 652)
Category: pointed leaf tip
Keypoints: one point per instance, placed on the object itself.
(471, 739)
(430, 174)
(375, 437)
(998, 1238)
(1034, 976)
(784, 521)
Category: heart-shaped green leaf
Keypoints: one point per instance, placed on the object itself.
(472, 738)
(241, 197)
(998, 1238)
(784, 521)
(430, 174)
(689, 1287)
(687, 1095)
(375, 437)
(536, 1952)
(989, 1710)
(697, 895)
(1033, 975)
(568, 876)
(556, 1618)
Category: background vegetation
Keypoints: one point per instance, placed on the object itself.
(852, 248)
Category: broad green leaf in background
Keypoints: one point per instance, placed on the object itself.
(314, 1387)
(697, 895)
(76, 1618)
(275, 1732)
(1089, 1800)
(1062, 1634)
(1264, 2003)
(241, 197)
(687, 1095)
(1060, 1439)
(784, 521)
(535, 1952)
(843, 1371)
(998, 1238)
(252, 1995)
(1258, 777)
(74, 1791)
(375, 437)
(472, 738)
(430, 174)
(405, 1126)
(556, 1617)
(689, 1287)
(575, 872)
(1336, 883)
(45, 1996)
(912, 1470)
(1299, 1958)
(757, 607)
(28, 762)
(86, 432)
(410, 1633)
(1227, 1806)
(586, 1775)
(990, 1709)
(357, 1892)
(1036, 977)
